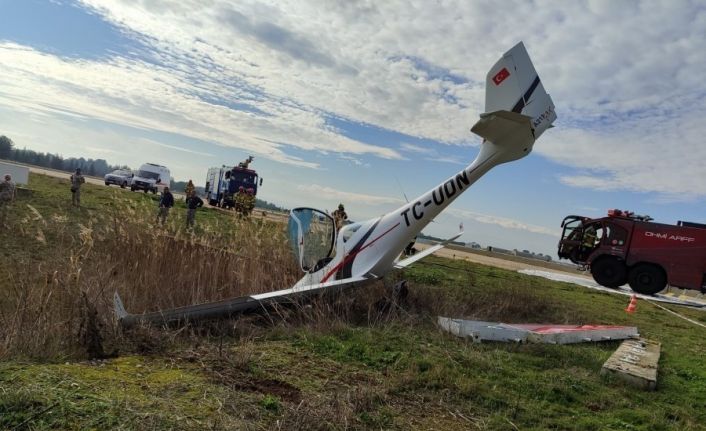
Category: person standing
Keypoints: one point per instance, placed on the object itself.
(76, 180)
(246, 163)
(340, 216)
(192, 203)
(249, 201)
(7, 196)
(190, 188)
(166, 201)
(239, 201)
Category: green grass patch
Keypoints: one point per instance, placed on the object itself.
(396, 371)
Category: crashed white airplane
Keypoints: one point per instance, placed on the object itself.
(518, 111)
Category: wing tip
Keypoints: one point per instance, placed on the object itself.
(120, 311)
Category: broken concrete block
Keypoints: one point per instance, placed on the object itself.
(635, 362)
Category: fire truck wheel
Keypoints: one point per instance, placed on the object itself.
(647, 279)
(609, 272)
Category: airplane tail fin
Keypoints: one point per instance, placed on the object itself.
(517, 108)
(512, 84)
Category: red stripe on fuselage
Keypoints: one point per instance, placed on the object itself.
(352, 255)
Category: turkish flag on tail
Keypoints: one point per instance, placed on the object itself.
(500, 76)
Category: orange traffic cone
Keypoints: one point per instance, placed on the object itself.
(632, 305)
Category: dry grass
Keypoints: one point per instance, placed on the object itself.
(61, 304)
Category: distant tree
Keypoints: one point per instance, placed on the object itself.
(268, 205)
(178, 186)
(5, 147)
(100, 167)
(57, 162)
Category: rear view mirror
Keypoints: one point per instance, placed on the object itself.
(260, 181)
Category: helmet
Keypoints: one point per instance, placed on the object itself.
(340, 206)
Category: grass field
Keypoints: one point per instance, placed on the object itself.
(353, 362)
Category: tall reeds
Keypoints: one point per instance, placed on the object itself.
(60, 303)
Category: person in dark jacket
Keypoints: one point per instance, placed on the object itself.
(192, 203)
(166, 201)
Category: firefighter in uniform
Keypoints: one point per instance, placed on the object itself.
(339, 216)
(588, 241)
(76, 180)
(589, 237)
(239, 201)
(246, 162)
(249, 201)
(7, 195)
(190, 188)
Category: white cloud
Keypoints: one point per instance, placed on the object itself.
(331, 194)
(172, 147)
(664, 156)
(502, 222)
(430, 154)
(626, 78)
(141, 95)
(416, 148)
(334, 195)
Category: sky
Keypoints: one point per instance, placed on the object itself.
(369, 103)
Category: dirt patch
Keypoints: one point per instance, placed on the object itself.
(236, 375)
(280, 389)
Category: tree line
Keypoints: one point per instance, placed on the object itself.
(97, 167)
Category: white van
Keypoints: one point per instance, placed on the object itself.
(151, 178)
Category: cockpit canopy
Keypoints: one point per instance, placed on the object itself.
(312, 234)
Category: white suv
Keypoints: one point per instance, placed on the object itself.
(120, 177)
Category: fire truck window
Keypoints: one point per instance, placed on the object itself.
(592, 235)
(616, 236)
(570, 231)
(600, 233)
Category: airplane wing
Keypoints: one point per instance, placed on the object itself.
(422, 254)
(231, 306)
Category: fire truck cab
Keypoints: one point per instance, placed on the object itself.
(628, 248)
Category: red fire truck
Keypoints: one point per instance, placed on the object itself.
(627, 248)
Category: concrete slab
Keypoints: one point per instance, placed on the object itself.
(479, 331)
(635, 362)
